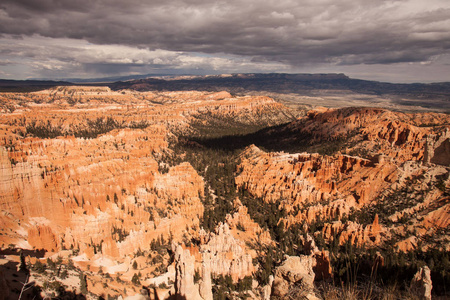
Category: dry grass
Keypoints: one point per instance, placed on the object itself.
(367, 291)
(331, 292)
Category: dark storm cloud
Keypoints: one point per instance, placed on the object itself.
(290, 32)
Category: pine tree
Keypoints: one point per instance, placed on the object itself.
(23, 264)
(135, 279)
(83, 284)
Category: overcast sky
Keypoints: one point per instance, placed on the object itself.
(395, 40)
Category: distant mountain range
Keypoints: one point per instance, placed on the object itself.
(428, 95)
(7, 85)
(284, 83)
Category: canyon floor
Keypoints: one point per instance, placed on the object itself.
(109, 194)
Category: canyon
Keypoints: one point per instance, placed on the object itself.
(208, 195)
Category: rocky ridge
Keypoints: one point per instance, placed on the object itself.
(312, 187)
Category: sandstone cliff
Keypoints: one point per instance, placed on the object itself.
(226, 254)
(392, 154)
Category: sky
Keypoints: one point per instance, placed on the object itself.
(393, 41)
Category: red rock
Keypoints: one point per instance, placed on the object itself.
(42, 237)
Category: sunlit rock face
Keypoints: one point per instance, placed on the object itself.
(101, 187)
(226, 254)
(72, 192)
(387, 154)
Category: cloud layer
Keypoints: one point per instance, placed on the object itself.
(92, 37)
